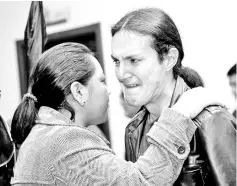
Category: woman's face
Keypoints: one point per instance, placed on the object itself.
(137, 67)
(97, 104)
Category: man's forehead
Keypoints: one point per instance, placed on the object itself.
(122, 40)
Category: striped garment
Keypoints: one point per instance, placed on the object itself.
(59, 152)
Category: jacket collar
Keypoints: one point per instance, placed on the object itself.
(47, 115)
(180, 88)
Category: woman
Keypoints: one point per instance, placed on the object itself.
(67, 93)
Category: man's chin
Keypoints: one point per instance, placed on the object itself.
(133, 102)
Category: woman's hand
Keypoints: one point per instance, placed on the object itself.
(193, 101)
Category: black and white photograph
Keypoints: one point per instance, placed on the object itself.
(125, 93)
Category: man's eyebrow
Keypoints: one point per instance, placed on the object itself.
(131, 56)
(127, 57)
(113, 57)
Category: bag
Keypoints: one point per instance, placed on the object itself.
(196, 170)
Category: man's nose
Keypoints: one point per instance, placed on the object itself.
(123, 72)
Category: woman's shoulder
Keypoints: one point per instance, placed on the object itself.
(75, 137)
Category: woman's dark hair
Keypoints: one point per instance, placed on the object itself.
(49, 82)
(157, 24)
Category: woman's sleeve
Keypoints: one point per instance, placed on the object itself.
(160, 165)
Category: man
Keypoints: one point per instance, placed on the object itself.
(147, 51)
(231, 74)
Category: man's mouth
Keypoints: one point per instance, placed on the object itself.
(131, 85)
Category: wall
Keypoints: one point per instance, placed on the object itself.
(12, 28)
(208, 30)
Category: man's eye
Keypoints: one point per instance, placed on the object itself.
(103, 79)
(134, 60)
(116, 62)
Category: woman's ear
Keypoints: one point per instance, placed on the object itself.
(171, 58)
(79, 92)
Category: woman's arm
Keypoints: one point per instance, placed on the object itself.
(160, 165)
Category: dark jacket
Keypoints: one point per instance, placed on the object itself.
(6, 154)
(212, 158)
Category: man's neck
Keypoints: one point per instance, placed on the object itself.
(162, 101)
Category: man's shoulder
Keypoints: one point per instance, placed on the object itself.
(213, 113)
(213, 110)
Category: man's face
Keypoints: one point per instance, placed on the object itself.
(137, 67)
(232, 82)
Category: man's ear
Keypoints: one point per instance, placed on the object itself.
(79, 92)
(171, 58)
